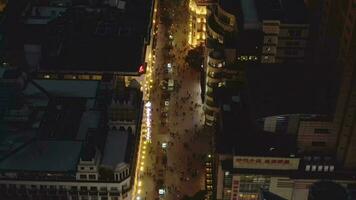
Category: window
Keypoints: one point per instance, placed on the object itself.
(291, 52)
(292, 43)
(93, 188)
(295, 33)
(91, 168)
(321, 131)
(92, 176)
(83, 188)
(318, 144)
(83, 176)
(74, 188)
(81, 168)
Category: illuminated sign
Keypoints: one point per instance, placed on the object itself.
(142, 68)
(148, 121)
(266, 163)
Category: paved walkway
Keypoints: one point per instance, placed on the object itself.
(180, 167)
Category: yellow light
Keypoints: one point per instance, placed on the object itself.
(143, 157)
(138, 191)
(141, 169)
(139, 183)
(143, 152)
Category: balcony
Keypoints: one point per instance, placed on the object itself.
(212, 43)
(214, 27)
(210, 103)
(212, 85)
(210, 94)
(215, 75)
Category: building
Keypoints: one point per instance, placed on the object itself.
(282, 102)
(2, 11)
(69, 39)
(57, 143)
(266, 195)
(259, 31)
(327, 190)
(250, 162)
(338, 45)
(197, 21)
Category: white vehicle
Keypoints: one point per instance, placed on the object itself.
(169, 68)
(170, 85)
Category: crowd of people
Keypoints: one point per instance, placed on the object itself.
(184, 168)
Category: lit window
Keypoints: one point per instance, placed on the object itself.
(307, 168)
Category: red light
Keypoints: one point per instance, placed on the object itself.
(141, 69)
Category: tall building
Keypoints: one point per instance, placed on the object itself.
(258, 31)
(57, 142)
(249, 159)
(338, 41)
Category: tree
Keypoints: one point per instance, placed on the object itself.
(195, 57)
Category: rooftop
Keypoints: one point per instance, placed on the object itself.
(92, 37)
(50, 156)
(64, 88)
(238, 135)
(97, 40)
(277, 89)
(41, 132)
(117, 148)
(287, 11)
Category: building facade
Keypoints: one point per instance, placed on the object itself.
(66, 148)
(197, 21)
(341, 26)
(276, 35)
